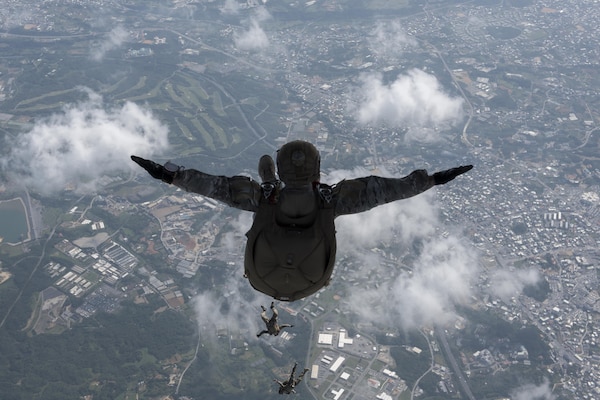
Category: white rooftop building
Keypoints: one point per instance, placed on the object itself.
(337, 364)
(343, 340)
(325, 338)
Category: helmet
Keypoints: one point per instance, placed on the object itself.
(298, 163)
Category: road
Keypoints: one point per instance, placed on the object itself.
(413, 392)
(464, 136)
(34, 218)
(189, 364)
(466, 390)
(35, 268)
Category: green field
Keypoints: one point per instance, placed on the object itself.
(203, 111)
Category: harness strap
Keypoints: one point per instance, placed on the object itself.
(325, 194)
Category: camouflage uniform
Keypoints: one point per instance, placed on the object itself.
(347, 197)
(287, 387)
(290, 252)
(273, 327)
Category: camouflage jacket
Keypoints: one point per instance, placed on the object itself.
(347, 197)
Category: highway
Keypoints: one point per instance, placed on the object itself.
(460, 378)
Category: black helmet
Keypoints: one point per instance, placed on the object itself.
(298, 163)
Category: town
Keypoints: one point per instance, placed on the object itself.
(532, 203)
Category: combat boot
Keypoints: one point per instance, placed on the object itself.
(266, 169)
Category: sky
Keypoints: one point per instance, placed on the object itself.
(82, 143)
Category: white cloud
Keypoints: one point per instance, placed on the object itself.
(402, 220)
(224, 310)
(414, 100)
(254, 38)
(81, 144)
(440, 277)
(506, 284)
(235, 307)
(534, 392)
(261, 14)
(230, 7)
(115, 39)
(388, 40)
(232, 239)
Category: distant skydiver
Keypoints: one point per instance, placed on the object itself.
(273, 327)
(287, 387)
(290, 252)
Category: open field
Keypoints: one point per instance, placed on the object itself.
(204, 116)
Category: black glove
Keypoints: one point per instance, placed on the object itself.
(165, 173)
(446, 176)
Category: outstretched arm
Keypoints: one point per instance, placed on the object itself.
(281, 327)
(237, 191)
(362, 194)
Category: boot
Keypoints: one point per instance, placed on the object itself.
(266, 169)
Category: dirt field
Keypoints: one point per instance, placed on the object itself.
(4, 276)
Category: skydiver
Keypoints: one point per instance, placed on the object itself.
(273, 328)
(291, 246)
(287, 387)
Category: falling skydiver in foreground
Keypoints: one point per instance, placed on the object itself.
(290, 252)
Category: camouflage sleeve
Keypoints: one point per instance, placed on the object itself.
(362, 194)
(238, 191)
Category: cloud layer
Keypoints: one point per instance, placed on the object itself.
(508, 283)
(115, 39)
(415, 100)
(254, 37)
(534, 392)
(83, 143)
(235, 307)
(389, 40)
(408, 296)
(401, 221)
(439, 279)
(230, 7)
(226, 310)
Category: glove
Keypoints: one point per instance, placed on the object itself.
(165, 173)
(446, 176)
